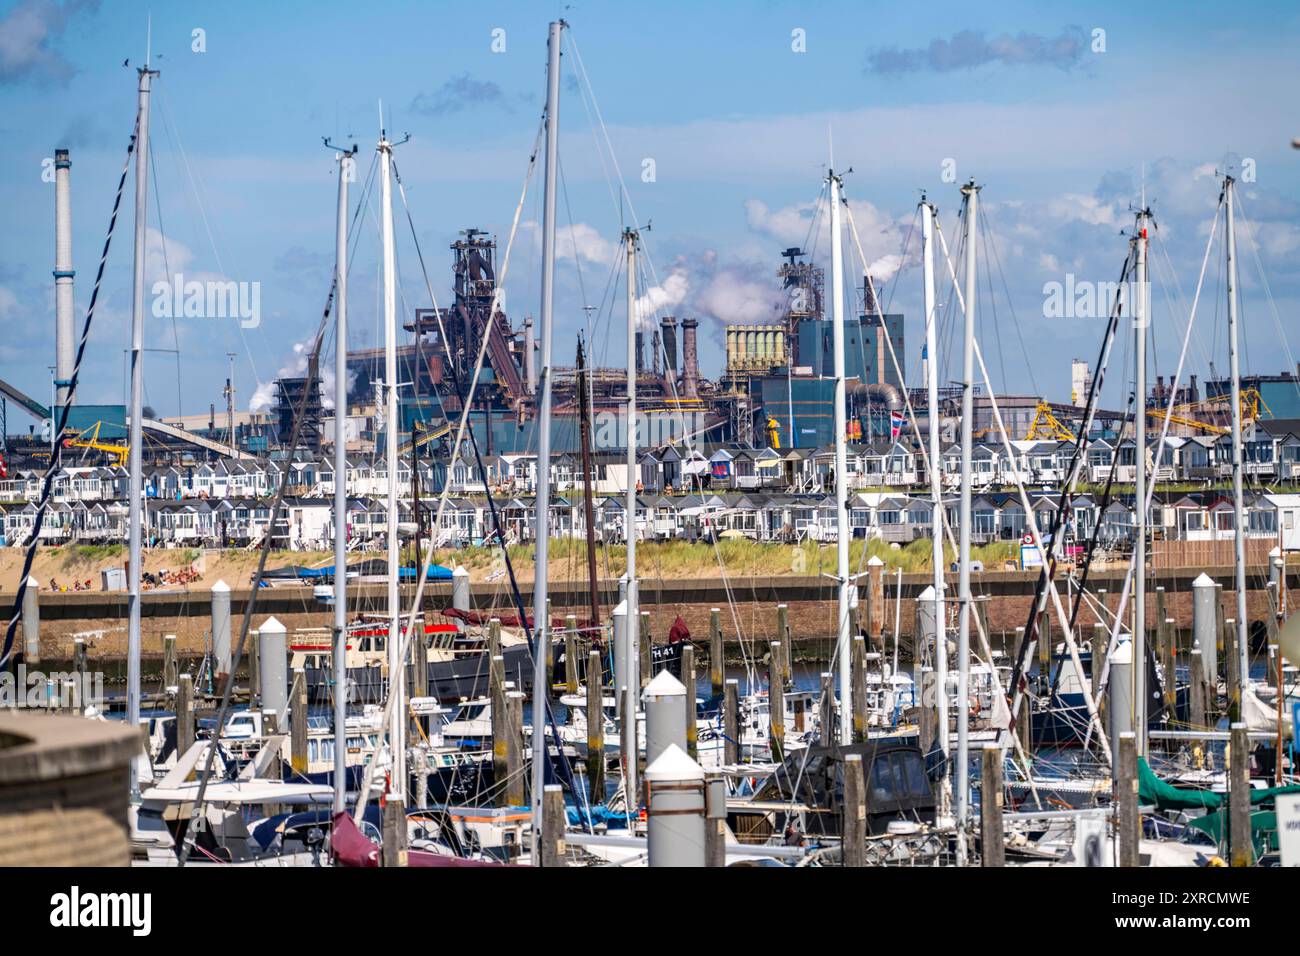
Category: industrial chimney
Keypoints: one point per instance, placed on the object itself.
(868, 296)
(690, 360)
(640, 351)
(655, 348)
(64, 336)
(669, 326)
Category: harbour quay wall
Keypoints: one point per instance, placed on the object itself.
(748, 606)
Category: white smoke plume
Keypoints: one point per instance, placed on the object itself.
(296, 367)
(663, 298)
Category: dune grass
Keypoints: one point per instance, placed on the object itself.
(739, 556)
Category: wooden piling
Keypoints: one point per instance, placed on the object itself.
(876, 602)
(859, 695)
(928, 716)
(715, 822)
(595, 729)
(515, 794)
(571, 654)
(500, 720)
(827, 729)
(787, 643)
(185, 714)
(1241, 850)
(80, 665)
(1126, 800)
(1198, 702)
(993, 850)
(298, 724)
(1232, 669)
(688, 681)
(776, 703)
(553, 825)
(731, 722)
(494, 638)
(716, 660)
(394, 849)
(171, 669)
(853, 844)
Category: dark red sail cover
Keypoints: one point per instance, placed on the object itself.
(679, 631)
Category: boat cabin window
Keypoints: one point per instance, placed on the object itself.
(898, 776)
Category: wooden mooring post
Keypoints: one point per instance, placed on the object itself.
(1126, 800)
(717, 673)
(595, 729)
(993, 851)
(853, 842)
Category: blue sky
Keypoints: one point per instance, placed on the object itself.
(735, 120)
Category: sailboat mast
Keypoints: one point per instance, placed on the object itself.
(630, 237)
(1141, 318)
(932, 398)
(396, 668)
(965, 606)
(588, 509)
(135, 512)
(1238, 493)
(346, 161)
(843, 641)
(541, 620)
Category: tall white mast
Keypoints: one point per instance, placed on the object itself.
(630, 237)
(1141, 318)
(965, 608)
(396, 662)
(541, 622)
(843, 641)
(346, 161)
(936, 462)
(135, 509)
(1238, 497)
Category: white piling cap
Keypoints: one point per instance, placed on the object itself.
(1203, 581)
(620, 609)
(672, 765)
(271, 625)
(927, 594)
(32, 582)
(220, 586)
(874, 562)
(1122, 654)
(664, 684)
(459, 571)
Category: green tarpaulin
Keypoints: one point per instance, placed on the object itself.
(1165, 796)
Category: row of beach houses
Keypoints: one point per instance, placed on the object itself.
(764, 494)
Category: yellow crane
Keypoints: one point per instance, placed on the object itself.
(1046, 426)
(90, 439)
(429, 433)
(1251, 404)
(773, 433)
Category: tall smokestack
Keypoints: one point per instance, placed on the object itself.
(690, 360)
(868, 296)
(669, 326)
(655, 347)
(64, 335)
(640, 351)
